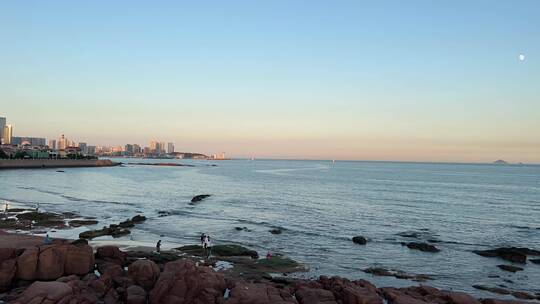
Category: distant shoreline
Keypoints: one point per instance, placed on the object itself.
(54, 163)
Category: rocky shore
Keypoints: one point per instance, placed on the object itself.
(74, 272)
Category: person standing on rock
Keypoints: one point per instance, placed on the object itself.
(47, 240)
(158, 246)
(207, 246)
(203, 237)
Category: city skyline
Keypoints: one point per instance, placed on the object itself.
(451, 82)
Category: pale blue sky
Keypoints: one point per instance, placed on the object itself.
(399, 80)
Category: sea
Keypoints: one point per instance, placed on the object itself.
(319, 206)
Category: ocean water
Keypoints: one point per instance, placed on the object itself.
(320, 206)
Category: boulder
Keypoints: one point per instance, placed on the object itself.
(306, 295)
(421, 246)
(27, 264)
(510, 268)
(351, 292)
(135, 295)
(8, 269)
(6, 254)
(250, 293)
(144, 273)
(359, 240)
(45, 292)
(51, 262)
(425, 294)
(184, 282)
(111, 254)
(79, 260)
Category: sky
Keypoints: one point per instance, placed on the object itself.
(366, 80)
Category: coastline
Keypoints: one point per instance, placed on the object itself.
(80, 273)
(54, 163)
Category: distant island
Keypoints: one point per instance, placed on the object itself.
(500, 162)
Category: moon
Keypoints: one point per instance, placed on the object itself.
(521, 57)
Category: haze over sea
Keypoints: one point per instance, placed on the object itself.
(319, 205)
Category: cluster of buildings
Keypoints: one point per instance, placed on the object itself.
(36, 147)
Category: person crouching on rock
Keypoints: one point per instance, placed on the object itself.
(158, 246)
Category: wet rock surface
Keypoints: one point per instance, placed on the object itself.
(220, 251)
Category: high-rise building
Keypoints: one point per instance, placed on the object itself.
(137, 149)
(7, 134)
(2, 125)
(91, 150)
(62, 142)
(129, 149)
(84, 147)
(170, 148)
(52, 144)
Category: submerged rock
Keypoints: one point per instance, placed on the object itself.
(512, 254)
(510, 268)
(359, 240)
(535, 261)
(421, 246)
(379, 271)
(497, 290)
(275, 231)
(200, 197)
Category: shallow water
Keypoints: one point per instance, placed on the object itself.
(319, 206)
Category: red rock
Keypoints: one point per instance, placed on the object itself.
(27, 264)
(79, 260)
(351, 292)
(426, 294)
(144, 273)
(112, 270)
(306, 295)
(397, 296)
(183, 282)
(111, 254)
(51, 262)
(8, 269)
(135, 295)
(102, 285)
(497, 301)
(460, 298)
(111, 297)
(6, 254)
(244, 293)
(45, 292)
